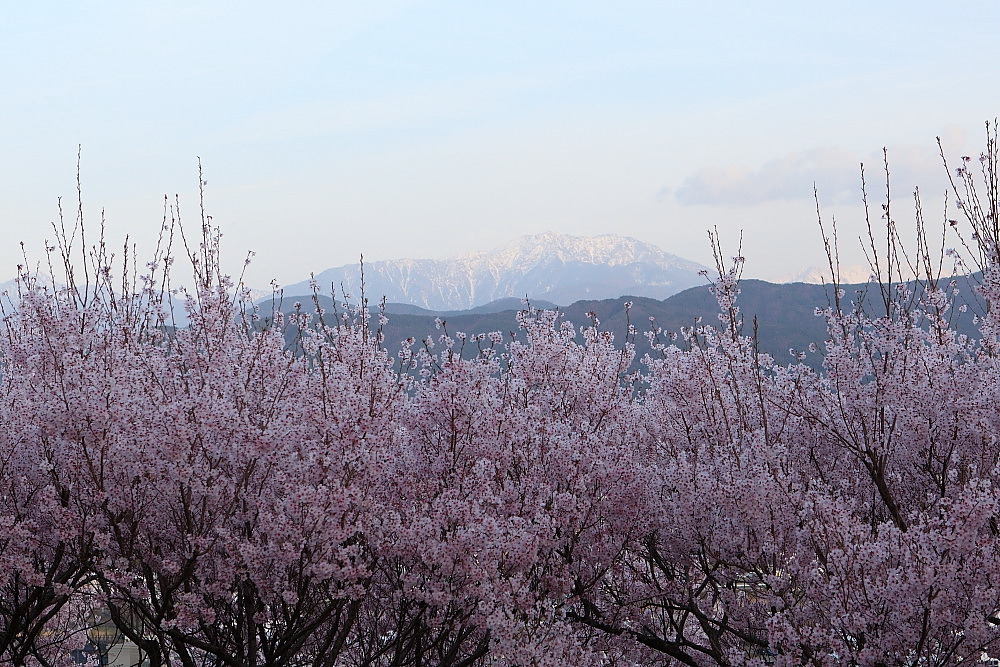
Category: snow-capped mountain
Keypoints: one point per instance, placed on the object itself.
(555, 267)
(815, 275)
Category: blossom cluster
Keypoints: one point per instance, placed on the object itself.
(249, 490)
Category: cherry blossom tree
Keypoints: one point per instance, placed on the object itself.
(235, 487)
(841, 517)
(521, 486)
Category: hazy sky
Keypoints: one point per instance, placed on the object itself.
(426, 129)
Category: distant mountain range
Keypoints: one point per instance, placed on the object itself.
(557, 268)
(482, 292)
(784, 315)
(816, 275)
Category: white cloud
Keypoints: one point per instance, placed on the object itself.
(835, 173)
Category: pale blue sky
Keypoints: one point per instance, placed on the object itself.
(425, 129)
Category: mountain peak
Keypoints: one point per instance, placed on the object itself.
(610, 249)
(561, 268)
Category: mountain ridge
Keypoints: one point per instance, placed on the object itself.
(783, 315)
(558, 268)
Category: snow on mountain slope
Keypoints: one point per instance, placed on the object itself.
(555, 267)
(815, 275)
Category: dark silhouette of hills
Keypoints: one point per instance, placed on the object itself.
(784, 314)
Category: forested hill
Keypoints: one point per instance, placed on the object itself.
(784, 314)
